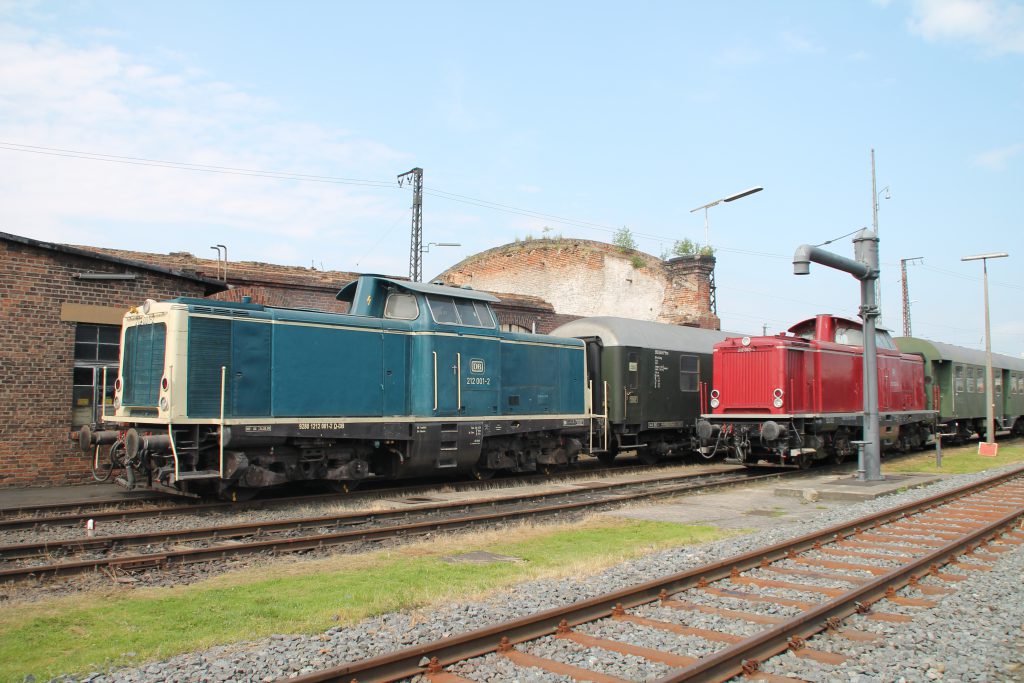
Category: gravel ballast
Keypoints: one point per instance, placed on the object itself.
(973, 634)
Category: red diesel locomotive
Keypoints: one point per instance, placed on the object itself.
(795, 398)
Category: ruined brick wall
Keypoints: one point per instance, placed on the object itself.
(37, 354)
(584, 278)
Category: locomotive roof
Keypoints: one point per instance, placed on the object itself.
(348, 291)
(642, 333)
(958, 354)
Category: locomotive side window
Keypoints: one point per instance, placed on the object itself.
(689, 373)
(467, 313)
(449, 311)
(849, 336)
(401, 307)
(884, 341)
(959, 379)
(484, 312)
(443, 310)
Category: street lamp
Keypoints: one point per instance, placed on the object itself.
(439, 244)
(989, 407)
(730, 198)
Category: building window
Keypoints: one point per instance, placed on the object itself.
(512, 327)
(96, 347)
(689, 373)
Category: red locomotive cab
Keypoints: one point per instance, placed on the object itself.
(799, 395)
(815, 368)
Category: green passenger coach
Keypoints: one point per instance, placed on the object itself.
(955, 386)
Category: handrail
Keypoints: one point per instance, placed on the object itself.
(458, 381)
(220, 436)
(435, 379)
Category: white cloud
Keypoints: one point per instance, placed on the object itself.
(996, 159)
(100, 99)
(996, 26)
(797, 42)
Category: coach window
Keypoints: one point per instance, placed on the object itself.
(981, 382)
(96, 347)
(959, 379)
(689, 373)
(970, 380)
(401, 307)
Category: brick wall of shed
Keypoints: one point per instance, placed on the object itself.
(37, 355)
(287, 297)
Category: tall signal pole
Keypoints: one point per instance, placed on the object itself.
(416, 241)
(906, 292)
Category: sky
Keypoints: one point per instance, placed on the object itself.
(278, 129)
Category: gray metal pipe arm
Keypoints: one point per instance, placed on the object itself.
(807, 253)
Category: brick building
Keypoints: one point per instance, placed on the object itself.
(60, 319)
(584, 278)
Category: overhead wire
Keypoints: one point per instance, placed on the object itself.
(381, 184)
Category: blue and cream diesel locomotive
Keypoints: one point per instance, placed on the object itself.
(415, 380)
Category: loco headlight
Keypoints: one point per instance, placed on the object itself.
(163, 403)
(777, 403)
(715, 403)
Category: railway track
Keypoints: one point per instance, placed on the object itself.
(131, 552)
(74, 514)
(901, 559)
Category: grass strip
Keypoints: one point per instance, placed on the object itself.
(958, 460)
(130, 626)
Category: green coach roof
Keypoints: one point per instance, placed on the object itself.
(933, 350)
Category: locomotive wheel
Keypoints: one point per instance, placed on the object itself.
(343, 486)
(647, 456)
(840, 447)
(236, 494)
(482, 473)
(804, 461)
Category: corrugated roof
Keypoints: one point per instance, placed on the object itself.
(213, 285)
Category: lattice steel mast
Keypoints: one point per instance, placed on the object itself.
(416, 241)
(906, 293)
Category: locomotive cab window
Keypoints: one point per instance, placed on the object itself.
(850, 336)
(689, 373)
(401, 307)
(449, 311)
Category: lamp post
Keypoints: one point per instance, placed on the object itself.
(730, 198)
(426, 249)
(989, 400)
